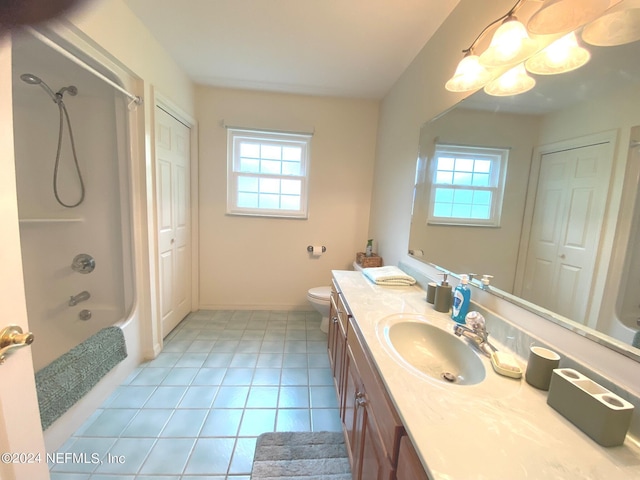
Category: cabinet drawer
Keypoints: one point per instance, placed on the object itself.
(378, 401)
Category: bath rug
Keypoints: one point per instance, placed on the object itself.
(69, 377)
(301, 456)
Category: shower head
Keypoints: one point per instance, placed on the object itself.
(30, 78)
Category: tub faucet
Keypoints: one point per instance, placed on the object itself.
(81, 297)
(477, 333)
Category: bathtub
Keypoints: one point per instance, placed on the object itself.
(52, 234)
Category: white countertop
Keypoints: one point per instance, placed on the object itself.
(499, 429)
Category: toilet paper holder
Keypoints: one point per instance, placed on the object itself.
(310, 249)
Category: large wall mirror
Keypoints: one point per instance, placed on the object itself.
(567, 244)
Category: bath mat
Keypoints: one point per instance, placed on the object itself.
(68, 378)
(301, 456)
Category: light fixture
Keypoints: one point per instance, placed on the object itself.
(470, 75)
(561, 56)
(562, 16)
(608, 22)
(619, 25)
(512, 82)
(510, 44)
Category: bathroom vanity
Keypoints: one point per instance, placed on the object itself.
(402, 423)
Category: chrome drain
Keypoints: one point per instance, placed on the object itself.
(448, 376)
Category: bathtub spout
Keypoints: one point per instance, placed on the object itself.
(81, 297)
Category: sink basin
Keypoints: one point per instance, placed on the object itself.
(433, 352)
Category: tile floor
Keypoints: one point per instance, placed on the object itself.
(194, 413)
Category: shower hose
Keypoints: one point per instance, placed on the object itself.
(65, 115)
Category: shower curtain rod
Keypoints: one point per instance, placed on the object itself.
(135, 98)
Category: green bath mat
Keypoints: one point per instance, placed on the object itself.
(68, 378)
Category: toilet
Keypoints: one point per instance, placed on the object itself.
(320, 298)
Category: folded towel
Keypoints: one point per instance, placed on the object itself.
(388, 275)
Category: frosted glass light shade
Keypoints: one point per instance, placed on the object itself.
(561, 56)
(619, 25)
(510, 45)
(512, 82)
(561, 16)
(470, 75)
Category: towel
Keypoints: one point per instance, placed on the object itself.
(388, 275)
(636, 340)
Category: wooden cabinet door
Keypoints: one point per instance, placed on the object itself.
(409, 465)
(353, 390)
(365, 447)
(374, 463)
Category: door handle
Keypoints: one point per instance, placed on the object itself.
(12, 337)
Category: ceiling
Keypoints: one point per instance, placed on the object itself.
(345, 48)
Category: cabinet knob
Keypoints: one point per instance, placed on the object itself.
(335, 319)
(361, 399)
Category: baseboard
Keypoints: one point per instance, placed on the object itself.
(286, 308)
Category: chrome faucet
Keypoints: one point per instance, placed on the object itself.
(81, 297)
(477, 333)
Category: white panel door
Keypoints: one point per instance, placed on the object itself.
(565, 233)
(174, 226)
(20, 429)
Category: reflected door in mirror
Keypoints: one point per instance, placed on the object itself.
(568, 216)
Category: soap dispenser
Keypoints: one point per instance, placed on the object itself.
(442, 302)
(461, 300)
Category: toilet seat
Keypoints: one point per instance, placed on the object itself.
(320, 293)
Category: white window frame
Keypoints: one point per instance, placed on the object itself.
(235, 137)
(497, 156)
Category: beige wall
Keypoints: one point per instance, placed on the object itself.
(114, 27)
(252, 262)
(417, 97)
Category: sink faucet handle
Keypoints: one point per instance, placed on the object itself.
(475, 320)
(486, 280)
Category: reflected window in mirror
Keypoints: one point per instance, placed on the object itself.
(467, 185)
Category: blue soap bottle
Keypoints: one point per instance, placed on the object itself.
(461, 300)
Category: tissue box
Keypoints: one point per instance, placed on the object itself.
(366, 262)
(599, 413)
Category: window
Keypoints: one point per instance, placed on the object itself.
(467, 185)
(267, 173)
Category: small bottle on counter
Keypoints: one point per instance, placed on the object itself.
(369, 250)
(442, 301)
(461, 300)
